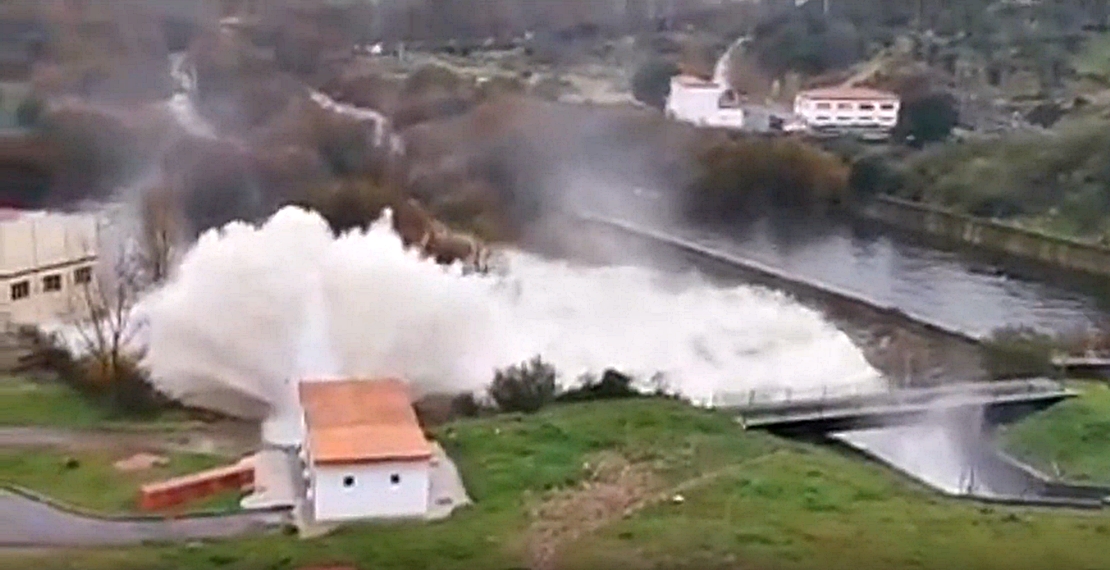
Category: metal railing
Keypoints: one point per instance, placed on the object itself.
(862, 394)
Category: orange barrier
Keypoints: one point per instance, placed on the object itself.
(180, 490)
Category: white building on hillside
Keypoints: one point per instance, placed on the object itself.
(847, 109)
(704, 103)
(365, 453)
(46, 259)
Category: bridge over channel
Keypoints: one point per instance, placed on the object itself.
(866, 407)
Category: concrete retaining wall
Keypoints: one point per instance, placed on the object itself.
(989, 235)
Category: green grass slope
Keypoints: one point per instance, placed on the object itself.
(748, 500)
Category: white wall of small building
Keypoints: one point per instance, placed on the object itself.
(372, 492)
(43, 257)
(879, 113)
(701, 105)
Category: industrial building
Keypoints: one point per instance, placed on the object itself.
(46, 259)
(855, 110)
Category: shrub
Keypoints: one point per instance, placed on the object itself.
(739, 177)
(525, 387)
(465, 406)
(611, 386)
(926, 119)
(1018, 352)
(124, 388)
(349, 203)
(651, 84)
(874, 174)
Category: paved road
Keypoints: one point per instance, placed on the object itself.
(28, 523)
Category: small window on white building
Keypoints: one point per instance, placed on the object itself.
(866, 107)
(395, 479)
(82, 275)
(349, 481)
(21, 290)
(52, 283)
(843, 106)
(887, 106)
(824, 106)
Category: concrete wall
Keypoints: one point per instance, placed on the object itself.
(990, 235)
(36, 249)
(371, 493)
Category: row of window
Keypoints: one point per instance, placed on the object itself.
(50, 283)
(862, 106)
(842, 119)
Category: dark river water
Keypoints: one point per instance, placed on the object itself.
(958, 290)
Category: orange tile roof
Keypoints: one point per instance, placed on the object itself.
(847, 93)
(361, 421)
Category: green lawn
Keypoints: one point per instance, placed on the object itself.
(94, 483)
(52, 404)
(45, 404)
(775, 504)
(1094, 59)
(1073, 436)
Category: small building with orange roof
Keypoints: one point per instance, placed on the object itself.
(365, 454)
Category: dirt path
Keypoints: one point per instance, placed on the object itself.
(229, 439)
(616, 490)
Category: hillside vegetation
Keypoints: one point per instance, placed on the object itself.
(1071, 439)
(654, 483)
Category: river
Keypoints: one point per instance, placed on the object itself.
(958, 289)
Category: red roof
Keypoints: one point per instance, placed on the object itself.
(362, 421)
(848, 94)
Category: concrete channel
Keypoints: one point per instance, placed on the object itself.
(977, 470)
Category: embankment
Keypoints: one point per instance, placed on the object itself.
(988, 235)
(909, 349)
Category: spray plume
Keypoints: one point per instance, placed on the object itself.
(250, 308)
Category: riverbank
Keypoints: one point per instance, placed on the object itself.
(997, 236)
(1071, 440)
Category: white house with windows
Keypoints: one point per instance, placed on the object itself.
(365, 454)
(847, 109)
(45, 258)
(704, 103)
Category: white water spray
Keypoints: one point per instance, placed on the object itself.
(181, 104)
(253, 310)
(382, 133)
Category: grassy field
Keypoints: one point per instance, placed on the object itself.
(50, 404)
(94, 483)
(1073, 436)
(749, 500)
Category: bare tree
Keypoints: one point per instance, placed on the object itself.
(105, 330)
(102, 313)
(162, 231)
